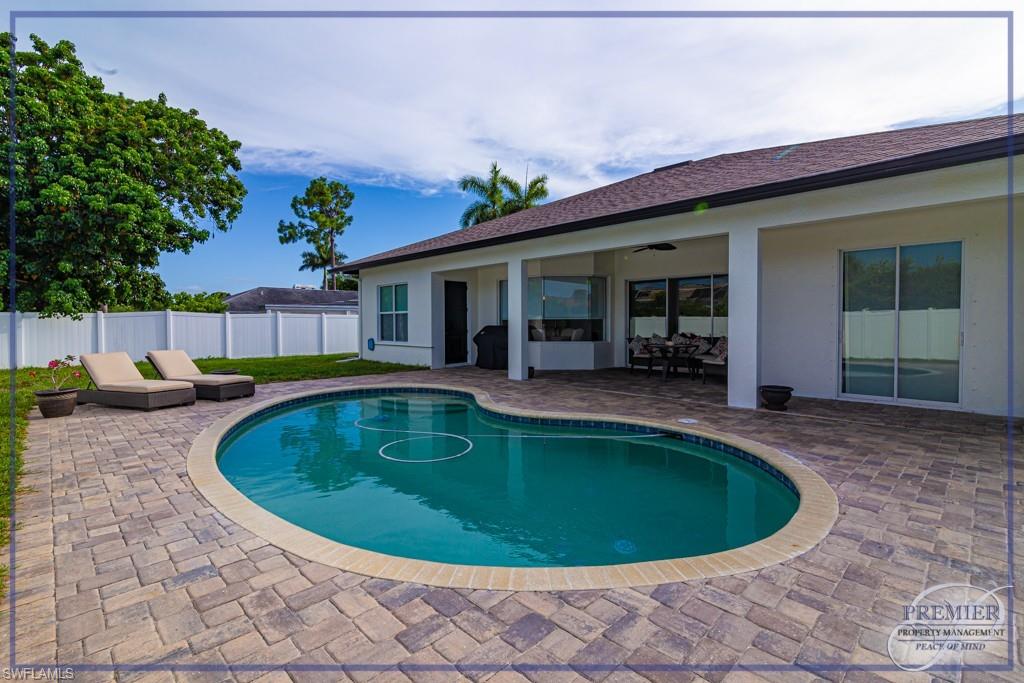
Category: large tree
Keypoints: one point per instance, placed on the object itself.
(499, 195)
(322, 213)
(104, 184)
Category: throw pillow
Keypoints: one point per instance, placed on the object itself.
(636, 345)
(703, 346)
(721, 348)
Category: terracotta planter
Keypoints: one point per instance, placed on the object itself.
(775, 396)
(59, 403)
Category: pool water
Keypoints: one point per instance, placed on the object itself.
(435, 478)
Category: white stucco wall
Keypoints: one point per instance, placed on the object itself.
(417, 351)
(801, 291)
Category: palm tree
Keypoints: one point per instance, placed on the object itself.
(499, 195)
(320, 259)
(491, 197)
(517, 200)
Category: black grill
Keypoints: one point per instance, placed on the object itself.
(492, 347)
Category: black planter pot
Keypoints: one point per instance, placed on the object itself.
(59, 403)
(775, 396)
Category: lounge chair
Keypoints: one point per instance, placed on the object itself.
(176, 365)
(120, 384)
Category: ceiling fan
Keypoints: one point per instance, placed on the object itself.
(661, 246)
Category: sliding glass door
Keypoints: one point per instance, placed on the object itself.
(901, 322)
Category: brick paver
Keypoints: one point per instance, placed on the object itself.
(121, 561)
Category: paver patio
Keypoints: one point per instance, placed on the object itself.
(120, 561)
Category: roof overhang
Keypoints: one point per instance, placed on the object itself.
(985, 150)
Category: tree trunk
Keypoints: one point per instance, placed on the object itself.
(334, 274)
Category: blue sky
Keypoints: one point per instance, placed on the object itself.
(249, 255)
(401, 109)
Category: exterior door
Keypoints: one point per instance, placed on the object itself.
(901, 322)
(456, 324)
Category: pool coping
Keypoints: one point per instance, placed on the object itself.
(814, 518)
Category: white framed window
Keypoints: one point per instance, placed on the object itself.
(562, 308)
(393, 312)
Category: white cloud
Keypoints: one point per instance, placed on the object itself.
(417, 103)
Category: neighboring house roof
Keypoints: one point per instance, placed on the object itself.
(257, 300)
(732, 179)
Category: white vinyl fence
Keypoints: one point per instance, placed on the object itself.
(201, 335)
(931, 334)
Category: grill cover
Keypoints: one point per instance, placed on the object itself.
(492, 347)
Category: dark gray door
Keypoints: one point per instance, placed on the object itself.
(456, 325)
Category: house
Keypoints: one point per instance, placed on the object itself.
(869, 268)
(294, 300)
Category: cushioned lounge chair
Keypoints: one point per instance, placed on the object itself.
(176, 365)
(120, 384)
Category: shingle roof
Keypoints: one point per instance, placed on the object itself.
(730, 179)
(257, 299)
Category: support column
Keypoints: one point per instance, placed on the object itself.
(518, 346)
(744, 317)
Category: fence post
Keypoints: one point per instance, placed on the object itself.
(101, 332)
(323, 334)
(21, 340)
(169, 324)
(227, 334)
(277, 333)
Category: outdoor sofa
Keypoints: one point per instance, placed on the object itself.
(175, 364)
(119, 384)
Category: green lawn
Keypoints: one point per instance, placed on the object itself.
(263, 370)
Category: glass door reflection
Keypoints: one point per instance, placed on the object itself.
(869, 322)
(929, 334)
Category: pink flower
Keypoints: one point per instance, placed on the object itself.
(53, 364)
(77, 373)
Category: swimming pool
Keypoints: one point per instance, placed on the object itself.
(434, 476)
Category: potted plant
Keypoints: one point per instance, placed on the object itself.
(60, 400)
(775, 396)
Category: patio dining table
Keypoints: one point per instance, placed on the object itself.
(671, 354)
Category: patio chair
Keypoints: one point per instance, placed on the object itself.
(639, 354)
(119, 384)
(715, 361)
(176, 364)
